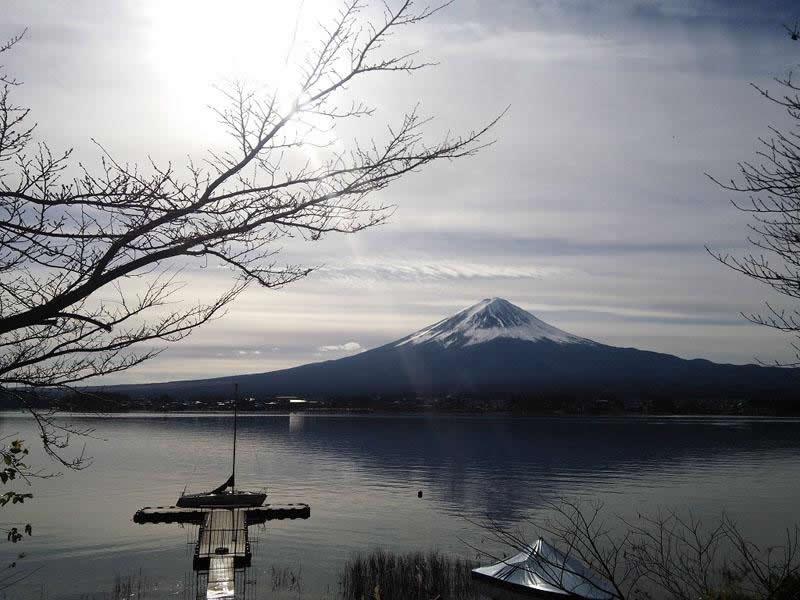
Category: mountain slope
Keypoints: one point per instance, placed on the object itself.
(496, 347)
(487, 320)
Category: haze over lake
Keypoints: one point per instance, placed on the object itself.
(361, 475)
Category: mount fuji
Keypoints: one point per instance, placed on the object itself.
(496, 347)
(490, 319)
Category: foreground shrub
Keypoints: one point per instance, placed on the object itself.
(384, 575)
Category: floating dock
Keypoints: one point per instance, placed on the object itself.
(223, 516)
(196, 516)
(222, 539)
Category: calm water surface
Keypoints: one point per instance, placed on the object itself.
(361, 474)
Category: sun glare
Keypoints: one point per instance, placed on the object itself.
(195, 41)
(194, 46)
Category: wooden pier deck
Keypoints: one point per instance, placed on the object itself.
(223, 534)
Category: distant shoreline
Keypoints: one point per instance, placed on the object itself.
(406, 413)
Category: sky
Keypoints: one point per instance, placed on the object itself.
(592, 209)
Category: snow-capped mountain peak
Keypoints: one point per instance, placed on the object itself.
(490, 319)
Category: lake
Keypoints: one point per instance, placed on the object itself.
(361, 475)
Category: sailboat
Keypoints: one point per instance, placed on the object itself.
(226, 495)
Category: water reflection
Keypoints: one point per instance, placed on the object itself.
(503, 467)
(362, 473)
(296, 423)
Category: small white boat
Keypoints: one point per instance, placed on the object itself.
(541, 571)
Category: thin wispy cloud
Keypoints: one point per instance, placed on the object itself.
(346, 347)
(382, 270)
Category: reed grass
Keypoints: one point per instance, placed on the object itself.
(285, 579)
(384, 575)
(127, 587)
(376, 575)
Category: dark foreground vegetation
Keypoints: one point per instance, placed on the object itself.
(690, 564)
(377, 575)
(669, 555)
(387, 575)
(384, 575)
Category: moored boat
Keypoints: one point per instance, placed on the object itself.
(226, 495)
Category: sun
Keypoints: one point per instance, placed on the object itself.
(195, 43)
(196, 46)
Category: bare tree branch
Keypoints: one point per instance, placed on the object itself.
(667, 555)
(91, 256)
(770, 186)
(72, 250)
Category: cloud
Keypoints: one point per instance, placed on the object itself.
(412, 270)
(346, 347)
(592, 207)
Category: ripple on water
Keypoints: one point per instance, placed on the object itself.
(361, 476)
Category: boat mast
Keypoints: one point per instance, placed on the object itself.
(235, 418)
